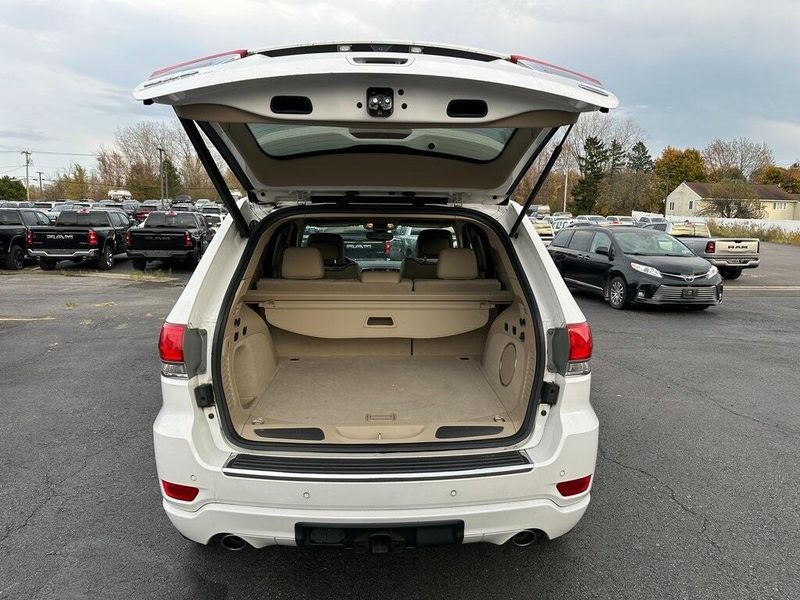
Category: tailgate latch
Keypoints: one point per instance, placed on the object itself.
(204, 395)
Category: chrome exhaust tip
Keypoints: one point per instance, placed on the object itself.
(234, 543)
(525, 538)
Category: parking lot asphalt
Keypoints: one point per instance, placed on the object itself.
(696, 493)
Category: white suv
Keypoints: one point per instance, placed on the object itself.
(321, 390)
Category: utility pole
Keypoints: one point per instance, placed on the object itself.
(41, 193)
(27, 154)
(161, 172)
(566, 185)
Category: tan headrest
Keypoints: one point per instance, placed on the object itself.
(330, 244)
(457, 263)
(380, 276)
(302, 263)
(430, 242)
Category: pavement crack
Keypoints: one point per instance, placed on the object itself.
(673, 496)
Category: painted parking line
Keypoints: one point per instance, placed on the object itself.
(762, 288)
(47, 318)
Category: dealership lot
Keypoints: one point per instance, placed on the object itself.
(696, 492)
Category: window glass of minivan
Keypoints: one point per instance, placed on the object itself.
(477, 144)
(581, 240)
(644, 243)
(562, 239)
(9, 217)
(91, 219)
(601, 240)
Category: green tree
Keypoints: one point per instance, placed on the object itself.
(639, 159)
(616, 158)
(732, 198)
(172, 179)
(142, 182)
(592, 167)
(11, 189)
(676, 166)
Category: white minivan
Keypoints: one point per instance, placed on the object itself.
(376, 350)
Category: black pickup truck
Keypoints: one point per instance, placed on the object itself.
(168, 235)
(15, 223)
(80, 235)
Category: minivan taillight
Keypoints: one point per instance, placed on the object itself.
(711, 247)
(170, 348)
(92, 237)
(580, 348)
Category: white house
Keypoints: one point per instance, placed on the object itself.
(776, 204)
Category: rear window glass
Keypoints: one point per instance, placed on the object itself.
(92, 219)
(481, 144)
(690, 230)
(164, 220)
(10, 217)
(364, 245)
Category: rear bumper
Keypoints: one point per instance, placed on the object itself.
(63, 254)
(495, 523)
(738, 262)
(159, 254)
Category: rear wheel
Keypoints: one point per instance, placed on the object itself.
(15, 259)
(47, 264)
(106, 260)
(194, 258)
(730, 272)
(139, 263)
(617, 293)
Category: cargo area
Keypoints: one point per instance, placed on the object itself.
(436, 346)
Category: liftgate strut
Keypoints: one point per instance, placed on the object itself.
(523, 214)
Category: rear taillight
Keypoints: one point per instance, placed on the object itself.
(573, 487)
(711, 247)
(29, 237)
(170, 348)
(176, 491)
(387, 247)
(128, 239)
(187, 239)
(580, 348)
(92, 237)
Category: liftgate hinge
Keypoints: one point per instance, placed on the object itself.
(550, 393)
(204, 395)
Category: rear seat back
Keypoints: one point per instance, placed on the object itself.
(457, 271)
(430, 242)
(336, 264)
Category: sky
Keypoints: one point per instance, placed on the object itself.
(687, 71)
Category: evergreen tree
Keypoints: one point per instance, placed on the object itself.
(639, 159)
(11, 189)
(616, 158)
(592, 166)
(173, 183)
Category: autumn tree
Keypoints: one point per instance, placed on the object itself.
(676, 166)
(731, 198)
(788, 179)
(725, 159)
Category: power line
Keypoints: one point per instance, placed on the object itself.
(53, 153)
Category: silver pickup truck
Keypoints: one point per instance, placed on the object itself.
(729, 255)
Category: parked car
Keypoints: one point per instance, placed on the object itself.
(730, 255)
(629, 265)
(545, 231)
(168, 235)
(647, 220)
(85, 234)
(182, 207)
(562, 215)
(381, 411)
(211, 209)
(620, 220)
(592, 219)
(14, 226)
(559, 224)
(214, 221)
